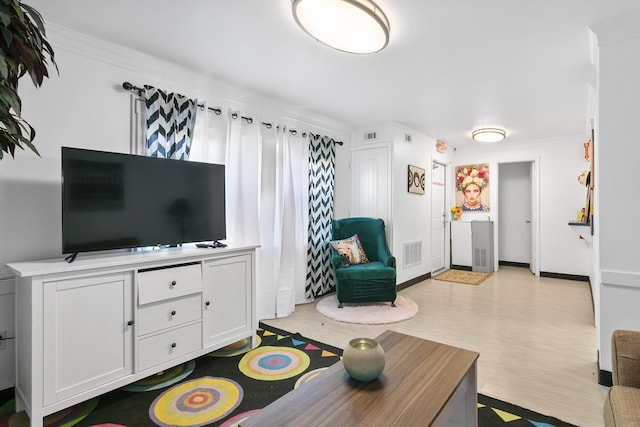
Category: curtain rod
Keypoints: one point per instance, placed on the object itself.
(218, 111)
(140, 90)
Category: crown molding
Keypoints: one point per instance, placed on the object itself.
(507, 146)
(617, 29)
(140, 63)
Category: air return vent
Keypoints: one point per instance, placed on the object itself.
(480, 258)
(371, 135)
(412, 253)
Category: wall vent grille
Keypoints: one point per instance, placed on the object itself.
(371, 135)
(479, 258)
(412, 253)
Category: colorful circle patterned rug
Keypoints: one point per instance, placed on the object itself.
(309, 376)
(238, 347)
(270, 363)
(163, 379)
(235, 421)
(65, 418)
(197, 402)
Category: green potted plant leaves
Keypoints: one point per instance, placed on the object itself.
(23, 50)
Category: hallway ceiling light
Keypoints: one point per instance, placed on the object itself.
(488, 135)
(353, 26)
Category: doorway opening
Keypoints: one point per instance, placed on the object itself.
(517, 224)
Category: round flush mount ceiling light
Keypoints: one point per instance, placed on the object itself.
(488, 135)
(353, 26)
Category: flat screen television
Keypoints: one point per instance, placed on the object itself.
(116, 201)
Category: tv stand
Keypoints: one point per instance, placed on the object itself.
(108, 320)
(214, 244)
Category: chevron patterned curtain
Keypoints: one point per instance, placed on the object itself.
(170, 122)
(320, 278)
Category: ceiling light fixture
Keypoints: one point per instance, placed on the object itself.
(353, 26)
(488, 135)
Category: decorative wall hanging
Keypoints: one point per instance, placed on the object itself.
(416, 180)
(441, 146)
(587, 150)
(472, 187)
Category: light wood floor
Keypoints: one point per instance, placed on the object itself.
(536, 337)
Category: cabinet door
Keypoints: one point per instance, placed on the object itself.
(87, 339)
(461, 243)
(227, 299)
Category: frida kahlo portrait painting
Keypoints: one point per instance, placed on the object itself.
(472, 187)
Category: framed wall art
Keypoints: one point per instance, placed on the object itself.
(416, 180)
(472, 187)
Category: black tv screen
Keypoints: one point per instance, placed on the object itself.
(115, 201)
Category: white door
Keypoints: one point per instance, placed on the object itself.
(515, 213)
(438, 216)
(371, 184)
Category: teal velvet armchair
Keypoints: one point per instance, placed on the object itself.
(374, 281)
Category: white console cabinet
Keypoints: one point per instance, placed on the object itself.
(105, 321)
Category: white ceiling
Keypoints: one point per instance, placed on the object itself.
(450, 66)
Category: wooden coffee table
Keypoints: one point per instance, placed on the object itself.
(424, 383)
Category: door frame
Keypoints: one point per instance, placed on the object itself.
(388, 189)
(535, 212)
(447, 222)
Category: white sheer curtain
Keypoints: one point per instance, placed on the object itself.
(299, 203)
(283, 218)
(281, 266)
(243, 153)
(267, 202)
(209, 136)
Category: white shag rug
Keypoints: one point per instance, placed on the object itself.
(369, 313)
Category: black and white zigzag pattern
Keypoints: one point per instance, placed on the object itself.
(170, 122)
(320, 278)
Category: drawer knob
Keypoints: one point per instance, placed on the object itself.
(173, 283)
(173, 313)
(173, 345)
(130, 323)
(208, 303)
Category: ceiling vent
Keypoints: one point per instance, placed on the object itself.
(371, 135)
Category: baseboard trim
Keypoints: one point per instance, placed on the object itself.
(411, 282)
(461, 267)
(514, 264)
(564, 276)
(605, 378)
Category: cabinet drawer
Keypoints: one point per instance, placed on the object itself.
(167, 283)
(167, 314)
(169, 345)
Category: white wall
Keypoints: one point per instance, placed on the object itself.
(617, 145)
(559, 163)
(86, 107)
(410, 213)
(561, 196)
